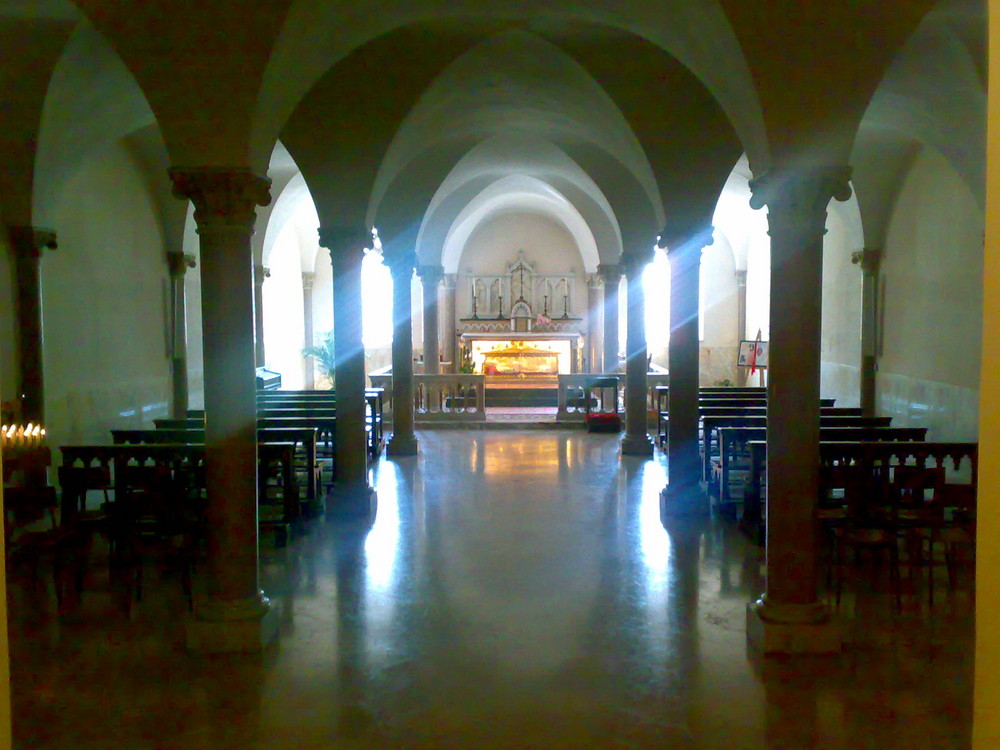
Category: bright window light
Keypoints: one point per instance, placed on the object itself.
(376, 299)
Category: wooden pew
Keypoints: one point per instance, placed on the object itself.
(867, 453)
(301, 436)
(829, 417)
(183, 461)
(735, 439)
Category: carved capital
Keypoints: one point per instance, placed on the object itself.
(344, 240)
(676, 239)
(593, 281)
(400, 264)
(610, 273)
(633, 264)
(307, 280)
(430, 275)
(223, 198)
(179, 263)
(449, 281)
(796, 199)
(868, 258)
(29, 242)
(260, 272)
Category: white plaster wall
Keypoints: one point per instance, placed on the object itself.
(720, 315)
(840, 351)
(8, 342)
(105, 305)
(284, 327)
(931, 315)
(547, 245)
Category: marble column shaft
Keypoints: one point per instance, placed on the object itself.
(636, 441)
(178, 263)
(403, 441)
(260, 273)
(797, 202)
(225, 202)
(308, 332)
(594, 317)
(347, 246)
(870, 260)
(449, 342)
(28, 244)
(431, 277)
(611, 275)
(741, 321)
(684, 488)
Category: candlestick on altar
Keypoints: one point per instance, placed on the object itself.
(565, 305)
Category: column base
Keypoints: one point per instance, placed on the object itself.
(401, 445)
(792, 629)
(682, 499)
(226, 627)
(637, 445)
(352, 502)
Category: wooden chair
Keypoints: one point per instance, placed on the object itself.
(848, 512)
(917, 515)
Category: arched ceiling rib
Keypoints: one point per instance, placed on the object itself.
(697, 32)
(516, 194)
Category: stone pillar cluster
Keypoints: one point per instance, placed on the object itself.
(236, 616)
(28, 244)
(611, 275)
(636, 442)
(403, 441)
(790, 616)
(741, 320)
(594, 323)
(178, 264)
(449, 348)
(431, 277)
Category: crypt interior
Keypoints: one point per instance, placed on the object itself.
(483, 211)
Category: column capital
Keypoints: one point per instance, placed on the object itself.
(341, 240)
(633, 264)
(308, 278)
(223, 197)
(797, 198)
(29, 242)
(869, 258)
(593, 281)
(400, 264)
(449, 281)
(610, 273)
(675, 239)
(261, 272)
(431, 275)
(179, 263)
(741, 277)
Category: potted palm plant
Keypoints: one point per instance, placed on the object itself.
(324, 356)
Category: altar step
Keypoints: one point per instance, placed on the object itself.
(522, 397)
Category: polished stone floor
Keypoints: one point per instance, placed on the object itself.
(517, 590)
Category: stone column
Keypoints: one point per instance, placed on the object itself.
(178, 263)
(449, 349)
(237, 616)
(741, 321)
(683, 494)
(789, 617)
(260, 272)
(431, 276)
(869, 259)
(28, 244)
(309, 333)
(353, 497)
(594, 320)
(636, 441)
(610, 275)
(403, 441)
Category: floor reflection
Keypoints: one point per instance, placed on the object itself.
(517, 590)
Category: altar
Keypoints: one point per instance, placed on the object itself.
(518, 359)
